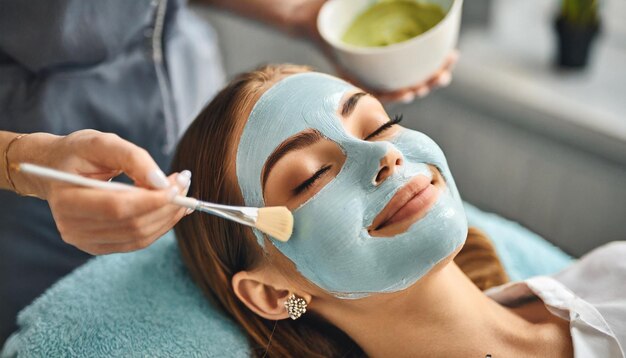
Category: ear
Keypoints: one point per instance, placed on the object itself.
(264, 292)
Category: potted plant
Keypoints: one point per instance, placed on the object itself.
(577, 25)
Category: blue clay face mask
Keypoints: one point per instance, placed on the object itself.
(330, 245)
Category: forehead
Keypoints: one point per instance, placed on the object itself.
(294, 104)
(299, 98)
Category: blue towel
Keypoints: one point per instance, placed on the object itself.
(143, 304)
(523, 253)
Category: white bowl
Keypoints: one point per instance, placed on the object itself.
(396, 66)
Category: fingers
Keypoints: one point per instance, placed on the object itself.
(109, 150)
(101, 205)
(133, 245)
(141, 226)
(396, 96)
(106, 224)
(452, 59)
(441, 78)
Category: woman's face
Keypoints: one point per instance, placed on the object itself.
(374, 204)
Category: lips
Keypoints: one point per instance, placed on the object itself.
(408, 205)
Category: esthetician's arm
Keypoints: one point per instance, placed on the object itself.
(299, 17)
(296, 17)
(96, 221)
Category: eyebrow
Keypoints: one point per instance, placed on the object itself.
(350, 103)
(300, 140)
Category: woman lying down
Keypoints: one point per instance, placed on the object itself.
(378, 221)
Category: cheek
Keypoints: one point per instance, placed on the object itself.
(329, 222)
(330, 215)
(288, 271)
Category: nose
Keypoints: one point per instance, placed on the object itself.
(388, 165)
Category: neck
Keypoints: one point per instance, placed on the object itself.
(444, 314)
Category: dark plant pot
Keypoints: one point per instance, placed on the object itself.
(574, 43)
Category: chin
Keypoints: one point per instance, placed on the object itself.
(444, 262)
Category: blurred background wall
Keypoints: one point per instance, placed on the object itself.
(541, 146)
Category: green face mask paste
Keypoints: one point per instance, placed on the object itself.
(390, 22)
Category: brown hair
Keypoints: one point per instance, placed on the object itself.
(215, 249)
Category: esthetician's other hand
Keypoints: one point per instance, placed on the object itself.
(441, 78)
(94, 220)
(299, 18)
(305, 24)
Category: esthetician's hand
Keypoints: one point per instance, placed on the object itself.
(441, 78)
(94, 220)
(299, 18)
(305, 24)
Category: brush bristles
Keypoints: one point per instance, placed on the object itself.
(275, 221)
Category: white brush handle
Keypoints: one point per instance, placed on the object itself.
(54, 174)
(185, 201)
(243, 215)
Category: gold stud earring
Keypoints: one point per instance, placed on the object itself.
(296, 306)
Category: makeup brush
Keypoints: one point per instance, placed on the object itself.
(275, 221)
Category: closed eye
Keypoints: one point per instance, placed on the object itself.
(309, 182)
(396, 119)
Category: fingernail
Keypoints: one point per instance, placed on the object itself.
(158, 179)
(182, 180)
(186, 189)
(422, 92)
(407, 98)
(188, 211)
(186, 173)
(444, 79)
(173, 191)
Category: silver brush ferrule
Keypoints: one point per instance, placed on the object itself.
(243, 215)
